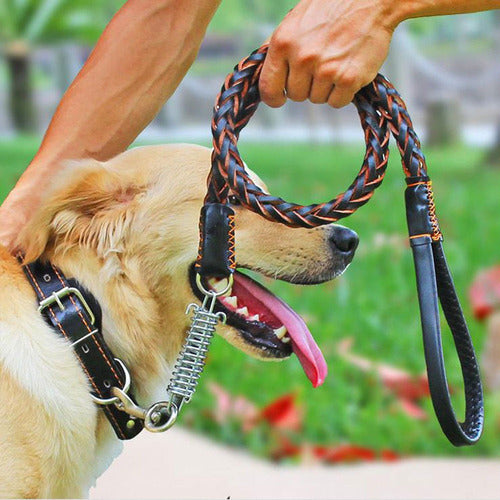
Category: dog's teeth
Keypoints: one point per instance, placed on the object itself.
(281, 332)
(256, 317)
(232, 301)
(243, 311)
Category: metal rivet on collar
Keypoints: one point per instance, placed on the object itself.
(46, 278)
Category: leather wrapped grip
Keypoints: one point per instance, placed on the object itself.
(216, 253)
(434, 282)
(417, 207)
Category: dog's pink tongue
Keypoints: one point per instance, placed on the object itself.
(303, 343)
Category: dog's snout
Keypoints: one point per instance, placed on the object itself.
(344, 240)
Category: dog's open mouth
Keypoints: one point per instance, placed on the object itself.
(267, 323)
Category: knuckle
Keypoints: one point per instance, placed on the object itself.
(317, 100)
(366, 80)
(273, 100)
(334, 104)
(296, 95)
(326, 73)
(348, 80)
(340, 101)
(275, 104)
(305, 58)
(298, 98)
(281, 42)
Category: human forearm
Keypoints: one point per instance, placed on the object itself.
(136, 65)
(407, 9)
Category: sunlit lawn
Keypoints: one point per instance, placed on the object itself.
(374, 302)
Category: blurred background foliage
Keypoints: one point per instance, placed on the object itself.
(447, 69)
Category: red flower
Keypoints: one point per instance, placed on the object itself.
(286, 449)
(343, 453)
(283, 413)
(389, 456)
(404, 385)
(407, 388)
(484, 293)
(229, 407)
(412, 409)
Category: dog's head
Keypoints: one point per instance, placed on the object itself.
(128, 229)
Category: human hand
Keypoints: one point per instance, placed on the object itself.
(326, 50)
(22, 202)
(12, 221)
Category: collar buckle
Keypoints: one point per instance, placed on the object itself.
(55, 298)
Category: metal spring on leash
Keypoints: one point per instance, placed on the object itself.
(191, 361)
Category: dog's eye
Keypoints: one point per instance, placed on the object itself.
(233, 200)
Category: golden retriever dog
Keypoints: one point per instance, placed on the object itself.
(127, 230)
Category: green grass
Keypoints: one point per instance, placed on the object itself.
(15, 156)
(374, 302)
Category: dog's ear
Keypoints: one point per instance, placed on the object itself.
(90, 205)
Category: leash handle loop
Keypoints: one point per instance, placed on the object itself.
(235, 105)
(434, 286)
(382, 112)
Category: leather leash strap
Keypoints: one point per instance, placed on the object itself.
(382, 112)
(75, 314)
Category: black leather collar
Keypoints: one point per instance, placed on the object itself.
(76, 315)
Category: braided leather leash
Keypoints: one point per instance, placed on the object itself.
(382, 112)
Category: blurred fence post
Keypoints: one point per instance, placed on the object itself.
(493, 155)
(399, 68)
(20, 96)
(442, 117)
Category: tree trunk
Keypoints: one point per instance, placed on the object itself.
(21, 105)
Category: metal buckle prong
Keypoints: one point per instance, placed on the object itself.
(56, 297)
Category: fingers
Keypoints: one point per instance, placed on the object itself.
(273, 79)
(285, 77)
(321, 89)
(298, 84)
(341, 96)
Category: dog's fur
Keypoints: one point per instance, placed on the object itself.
(127, 230)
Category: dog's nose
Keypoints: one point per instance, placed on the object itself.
(344, 240)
